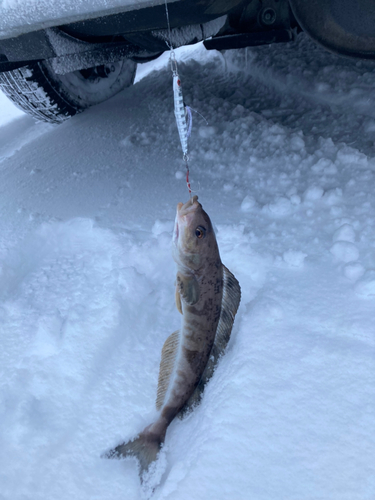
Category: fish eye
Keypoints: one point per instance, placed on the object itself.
(200, 232)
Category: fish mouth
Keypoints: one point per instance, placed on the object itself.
(183, 212)
(188, 207)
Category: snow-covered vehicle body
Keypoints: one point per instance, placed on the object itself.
(57, 58)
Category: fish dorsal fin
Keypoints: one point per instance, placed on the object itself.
(229, 306)
(168, 357)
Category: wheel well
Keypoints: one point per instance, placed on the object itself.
(342, 26)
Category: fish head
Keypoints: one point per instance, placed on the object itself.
(194, 237)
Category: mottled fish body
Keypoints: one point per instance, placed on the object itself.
(207, 296)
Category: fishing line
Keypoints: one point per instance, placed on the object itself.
(184, 119)
(169, 26)
(195, 111)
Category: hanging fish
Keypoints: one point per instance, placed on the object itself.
(207, 296)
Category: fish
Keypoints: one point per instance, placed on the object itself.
(208, 297)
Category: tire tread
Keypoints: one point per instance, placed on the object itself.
(30, 89)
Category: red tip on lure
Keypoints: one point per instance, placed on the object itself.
(187, 179)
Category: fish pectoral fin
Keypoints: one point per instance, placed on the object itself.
(188, 287)
(178, 300)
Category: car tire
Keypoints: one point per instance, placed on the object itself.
(53, 98)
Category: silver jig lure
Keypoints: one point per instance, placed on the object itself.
(183, 116)
(180, 111)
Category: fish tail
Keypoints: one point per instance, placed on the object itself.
(145, 448)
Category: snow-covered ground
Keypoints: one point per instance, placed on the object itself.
(8, 112)
(286, 169)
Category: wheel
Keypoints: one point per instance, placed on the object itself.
(49, 97)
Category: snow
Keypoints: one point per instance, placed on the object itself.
(8, 111)
(22, 16)
(345, 232)
(345, 251)
(286, 169)
(179, 36)
(294, 257)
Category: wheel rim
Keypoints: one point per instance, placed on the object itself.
(90, 85)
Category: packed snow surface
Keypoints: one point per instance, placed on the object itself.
(8, 111)
(285, 167)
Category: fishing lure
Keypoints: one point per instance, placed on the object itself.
(182, 113)
(183, 116)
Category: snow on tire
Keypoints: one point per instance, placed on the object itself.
(49, 97)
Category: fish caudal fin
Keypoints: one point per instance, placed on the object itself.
(145, 448)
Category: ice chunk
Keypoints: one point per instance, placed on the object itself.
(297, 143)
(238, 110)
(247, 203)
(321, 164)
(282, 206)
(344, 233)
(350, 156)
(344, 251)
(333, 196)
(313, 193)
(295, 199)
(354, 270)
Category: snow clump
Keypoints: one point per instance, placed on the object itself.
(354, 270)
(294, 258)
(313, 193)
(366, 286)
(247, 204)
(344, 251)
(344, 233)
